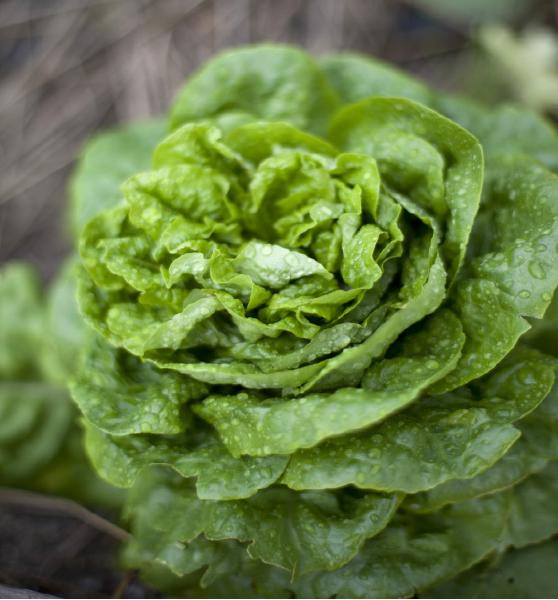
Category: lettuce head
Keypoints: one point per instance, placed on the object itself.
(320, 357)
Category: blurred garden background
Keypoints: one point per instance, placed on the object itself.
(69, 68)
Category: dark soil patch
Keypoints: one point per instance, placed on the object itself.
(55, 547)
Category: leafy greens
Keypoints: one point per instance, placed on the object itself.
(40, 440)
(319, 354)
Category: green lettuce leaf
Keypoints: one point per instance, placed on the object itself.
(514, 273)
(407, 558)
(120, 460)
(356, 76)
(273, 82)
(526, 573)
(534, 516)
(35, 418)
(504, 129)
(34, 414)
(106, 161)
(318, 531)
(121, 395)
(537, 446)
(40, 440)
(21, 321)
(436, 439)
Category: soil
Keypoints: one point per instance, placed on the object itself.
(46, 548)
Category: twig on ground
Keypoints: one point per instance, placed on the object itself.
(61, 505)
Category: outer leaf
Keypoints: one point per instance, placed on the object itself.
(534, 511)
(544, 332)
(232, 574)
(67, 331)
(121, 395)
(532, 518)
(434, 440)
(537, 445)
(356, 76)
(527, 573)
(539, 429)
(517, 262)
(513, 467)
(491, 332)
(272, 82)
(120, 460)
(300, 533)
(521, 254)
(405, 559)
(504, 129)
(515, 128)
(105, 163)
(150, 546)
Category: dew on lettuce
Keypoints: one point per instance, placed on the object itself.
(322, 329)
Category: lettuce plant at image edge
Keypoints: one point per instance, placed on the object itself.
(41, 334)
(321, 347)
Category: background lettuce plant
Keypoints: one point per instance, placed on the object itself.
(41, 443)
(320, 355)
